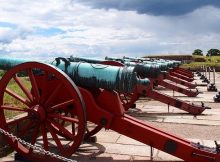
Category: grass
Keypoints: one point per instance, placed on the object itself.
(213, 61)
(9, 100)
(199, 64)
(2, 72)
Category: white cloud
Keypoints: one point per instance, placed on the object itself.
(8, 34)
(99, 32)
(4, 34)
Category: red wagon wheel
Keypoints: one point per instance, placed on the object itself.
(49, 109)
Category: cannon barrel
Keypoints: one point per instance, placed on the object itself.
(147, 69)
(162, 66)
(170, 63)
(121, 79)
(136, 59)
(144, 70)
(86, 59)
(114, 59)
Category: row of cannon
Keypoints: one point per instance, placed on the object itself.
(205, 75)
(66, 93)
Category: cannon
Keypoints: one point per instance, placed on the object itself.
(174, 72)
(160, 79)
(174, 64)
(146, 71)
(55, 110)
(177, 69)
(164, 67)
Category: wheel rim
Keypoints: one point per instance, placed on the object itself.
(43, 114)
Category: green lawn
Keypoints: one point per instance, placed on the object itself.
(209, 61)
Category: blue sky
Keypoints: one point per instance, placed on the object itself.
(50, 28)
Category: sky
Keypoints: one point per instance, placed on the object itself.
(46, 29)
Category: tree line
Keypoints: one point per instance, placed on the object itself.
(211, 52)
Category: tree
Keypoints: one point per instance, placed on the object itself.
(213, 52)
(197, 52)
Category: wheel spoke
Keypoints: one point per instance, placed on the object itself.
(63, 130)
(61, 105)
(65, 118)
(55, 137)
(34, 85)
(44, 87)
(45, 139)
(23, 88)
(53, 95)
(34, 137)
(18, 97)
(13, 108)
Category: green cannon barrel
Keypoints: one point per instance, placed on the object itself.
(162, 66)
(114, 59)
(136, 59)
(143, 70)
(121, 79)
(161, 62)
(8, 63)
(170, 63)
(173, 63)
(86, 59)
(150, 66)
(177, 63)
